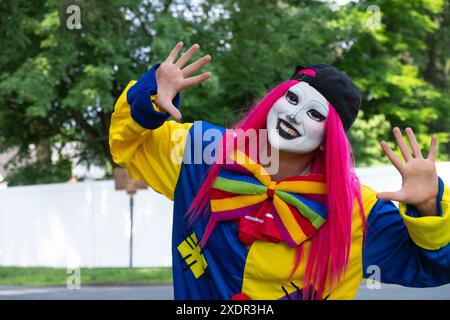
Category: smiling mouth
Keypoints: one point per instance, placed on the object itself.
(287, 131)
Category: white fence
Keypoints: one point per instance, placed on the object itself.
(87, 224)
(84, 224)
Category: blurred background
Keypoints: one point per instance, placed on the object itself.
(64, 63)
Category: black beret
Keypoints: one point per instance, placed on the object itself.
(336, 87)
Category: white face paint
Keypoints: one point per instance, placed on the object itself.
(296, 121)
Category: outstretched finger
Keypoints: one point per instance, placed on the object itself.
(404, 149)
(187, 55)
(189, 82)
(414, 145)
(196, 65)
(391, 196)
(172, 110)
(174, 53)
(433, 149)
(396, 161)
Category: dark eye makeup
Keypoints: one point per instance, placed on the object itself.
(316, 115)
(292, 98)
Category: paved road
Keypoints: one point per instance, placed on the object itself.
(87, 293)
(165, 293)
(394, 292)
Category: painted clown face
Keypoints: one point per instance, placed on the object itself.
(296, 121)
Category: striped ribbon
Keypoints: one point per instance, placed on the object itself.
(244, 187)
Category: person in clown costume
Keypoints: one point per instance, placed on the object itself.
(307, 230)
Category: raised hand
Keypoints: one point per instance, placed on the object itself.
(171, 77)
(419, 176)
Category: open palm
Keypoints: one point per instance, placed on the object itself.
(171, 77)
(419, 176)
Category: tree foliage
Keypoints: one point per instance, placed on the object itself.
(59, 85)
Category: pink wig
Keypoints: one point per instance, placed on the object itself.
(330, 246)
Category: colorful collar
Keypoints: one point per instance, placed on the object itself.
(244, 190)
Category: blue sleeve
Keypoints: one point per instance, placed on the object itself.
(141, 105)
(389, 246)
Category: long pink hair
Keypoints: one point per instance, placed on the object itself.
(330, 246)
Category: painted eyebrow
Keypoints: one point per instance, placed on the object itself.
(299, 92)
(315, 103)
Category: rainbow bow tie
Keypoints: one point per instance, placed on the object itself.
(244, 188)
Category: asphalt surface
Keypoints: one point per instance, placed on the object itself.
(87, 293)
(389, 292)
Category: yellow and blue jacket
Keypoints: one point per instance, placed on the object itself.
(406, 249)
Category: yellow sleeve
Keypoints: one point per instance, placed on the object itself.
(369, 198)
(151, 156)
(431, 232)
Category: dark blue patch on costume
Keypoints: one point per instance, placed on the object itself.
(389, 247)
(139, 99)
(224, 253)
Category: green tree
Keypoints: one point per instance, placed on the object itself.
(389, 64)
(59, 85)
